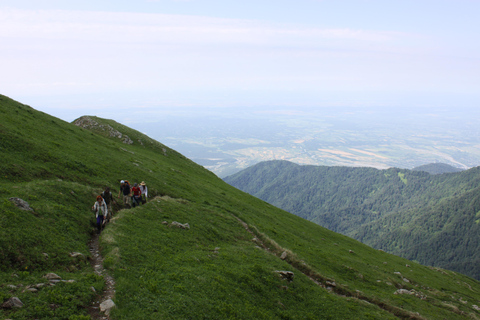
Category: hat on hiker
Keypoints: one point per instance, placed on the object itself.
(142, 183)
(122, 181)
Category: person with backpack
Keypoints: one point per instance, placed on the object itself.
(144, 190)
(100, 209)
(136, 195)
(125, 190)
(108, 198)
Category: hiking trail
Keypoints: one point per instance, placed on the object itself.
(109, 289)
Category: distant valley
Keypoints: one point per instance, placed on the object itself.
(227, 141)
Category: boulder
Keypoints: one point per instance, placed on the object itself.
(286, 275)
(106, 306)
(12, 303)
(181, 225)
(21, 204)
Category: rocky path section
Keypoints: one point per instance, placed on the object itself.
(100, 308)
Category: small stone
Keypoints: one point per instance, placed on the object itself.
(75, 254)
(284, 255)
(52, 276)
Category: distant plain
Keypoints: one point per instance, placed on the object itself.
(227, 141)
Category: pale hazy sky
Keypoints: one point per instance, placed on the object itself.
(70, 58)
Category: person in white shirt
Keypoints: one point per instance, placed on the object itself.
(101, 211)
(144, 190)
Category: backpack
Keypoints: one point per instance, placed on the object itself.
(107, 197)
(126, 189)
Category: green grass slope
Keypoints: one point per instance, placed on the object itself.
(224, 266)
(433, 219)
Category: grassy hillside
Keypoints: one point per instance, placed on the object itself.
(429, 218)
(223, 266)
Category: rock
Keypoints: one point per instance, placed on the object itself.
(87, 122)
(398, 273)
(475, 307)
(32, 290)
(330, 283)
(286, 275)
(52, 276)
(284, 255)
(12, 303)
(412, 293)
(106, 306)
(180, 225)
(11, 286)
(351, 251)
(75, 254)
(402, 291)
(21, 204)
(406, 280)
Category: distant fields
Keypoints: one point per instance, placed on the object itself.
(226, 142)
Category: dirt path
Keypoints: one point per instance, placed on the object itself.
(109, 290)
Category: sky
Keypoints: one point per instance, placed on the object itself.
(123, 59)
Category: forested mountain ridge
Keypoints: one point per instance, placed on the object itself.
(437, 168)
(429, 218)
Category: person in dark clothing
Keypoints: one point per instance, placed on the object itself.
(125, 190)
(108, 198)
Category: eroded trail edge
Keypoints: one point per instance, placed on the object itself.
(288, 256)
(100, 308)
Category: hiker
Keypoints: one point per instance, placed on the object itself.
(136, 195)
(144, 190)
(125, 190)
(108, 198)
(100, 209)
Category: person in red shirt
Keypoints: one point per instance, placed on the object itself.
(136, 195)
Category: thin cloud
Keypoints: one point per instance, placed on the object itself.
(139, 27)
